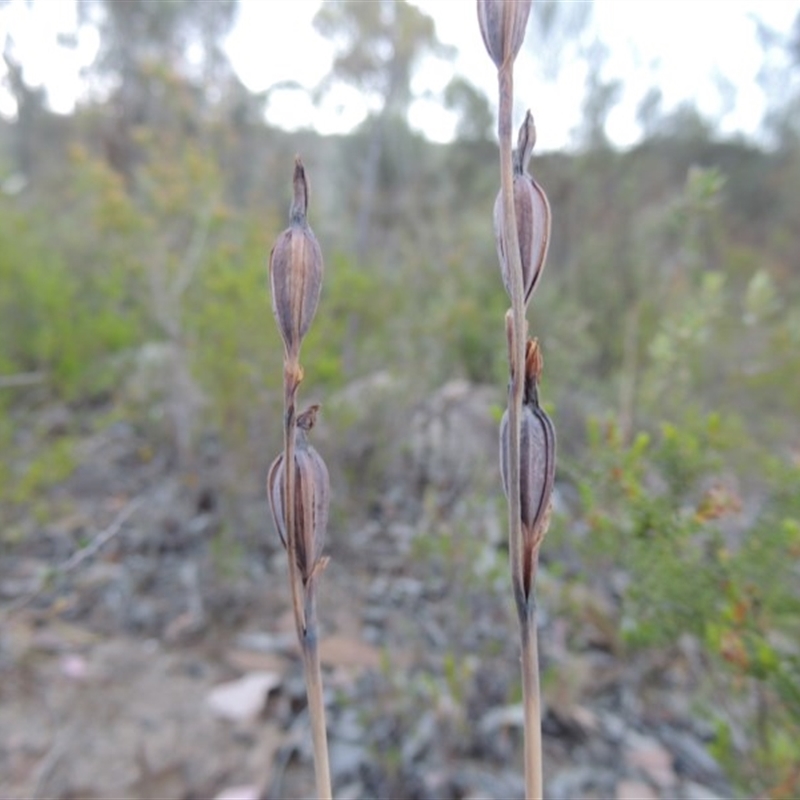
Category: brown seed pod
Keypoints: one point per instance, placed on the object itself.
(537, 460)
(532, 211)
(295, 271)
(537, 467)
(502, 24)
(312, 497)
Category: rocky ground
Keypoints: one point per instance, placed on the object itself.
(147, 650)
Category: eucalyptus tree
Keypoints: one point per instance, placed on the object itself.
(379, 46)
(146, 49)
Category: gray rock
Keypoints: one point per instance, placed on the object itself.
(420, 739)
(348, 727)
(614, 727)
(695, 791)
(402, 535)
(346, 759)
(55, 420)
(452, 442)
(512, 716)
(406, 589)
(436, 785)
(351, 791)
(373, 634)
(374, 614)
(474, 783)
(264, 642)
(576, 782)
(379, 589)
(691, 757)
(434, 633)
(648, 756)
(364, 424)
(200, 525)
(98, 575)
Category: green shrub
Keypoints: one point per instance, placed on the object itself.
(666, 510)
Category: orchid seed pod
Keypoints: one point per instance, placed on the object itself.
(537, 460)
(502, 24)
(312, 497)
(295, 271)
(532, 211)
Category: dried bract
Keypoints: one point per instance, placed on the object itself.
(533, 217)
(502, 24)
(537, 460)
(312, 497)
(295, 271)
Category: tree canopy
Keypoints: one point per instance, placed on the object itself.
(378, 47)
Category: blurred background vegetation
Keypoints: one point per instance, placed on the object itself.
(134, 235)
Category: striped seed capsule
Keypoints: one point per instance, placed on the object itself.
(312, 497)
(532, 211)
(537, 461)
(502, 24)
(295, 271)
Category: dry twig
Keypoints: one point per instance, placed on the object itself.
(79, 556)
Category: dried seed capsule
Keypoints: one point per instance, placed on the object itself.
(537, 464)
(312, 497)
(502, 24)
(532, 211)
(295, 271)
(537, 459)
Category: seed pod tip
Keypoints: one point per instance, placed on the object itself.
(295, 271)
(502, 24)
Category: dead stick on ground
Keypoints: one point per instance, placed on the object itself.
(78, 557)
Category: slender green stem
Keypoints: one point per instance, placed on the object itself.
(316, 703)
(530, 664)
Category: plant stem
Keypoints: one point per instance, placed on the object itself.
(525, 604)
(305, 613)
(290, 414)
(530, 699)
(517, 355)
(316, 703)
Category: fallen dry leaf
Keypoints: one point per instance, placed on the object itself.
(242, 699)
(239, 793)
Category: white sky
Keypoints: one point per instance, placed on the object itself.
(682, 46)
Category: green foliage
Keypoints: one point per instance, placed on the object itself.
(227, 554)
(670, 315)
(57, 316)
(476, 121)
(457, 549)
(351, 334)
(475, 335)
(235, 349)
(25, 486)
(664, 508)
